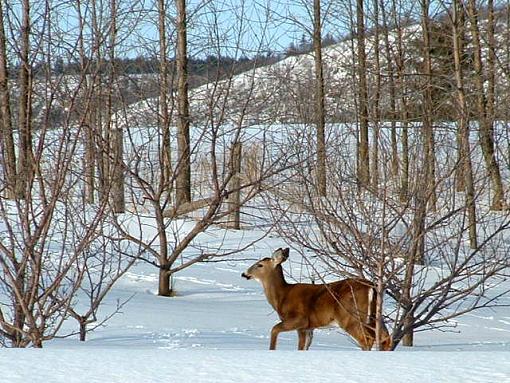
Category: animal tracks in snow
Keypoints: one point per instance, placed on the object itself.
(212, 282)
(153, 278)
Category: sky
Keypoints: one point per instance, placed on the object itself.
(228, 27)
(233, 28)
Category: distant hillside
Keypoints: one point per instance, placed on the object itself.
(283, 91)
(279, 87)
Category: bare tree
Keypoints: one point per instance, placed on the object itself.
(25, 157)
(115, 133)
(392, 92)
(376, 109)
(320, 113)
(7, 140)
(45, 243)
(363, 150)
(220, 112)
(400, 60)
(165, 95)
(90, 152)
(428, 134)
(183, 179)
(103, 262)
(465, 150)
(484, 99)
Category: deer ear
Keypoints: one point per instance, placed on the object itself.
(280, 256)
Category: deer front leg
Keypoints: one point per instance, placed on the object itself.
(302, 335)
(282, 327)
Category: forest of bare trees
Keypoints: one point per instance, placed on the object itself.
(385, 155)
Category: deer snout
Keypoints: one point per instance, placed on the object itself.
(244, 275)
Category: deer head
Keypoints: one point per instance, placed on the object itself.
(264, 268)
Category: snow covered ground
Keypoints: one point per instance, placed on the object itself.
(146, 365)
(217, 330)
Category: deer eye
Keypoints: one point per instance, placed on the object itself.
(259, 265)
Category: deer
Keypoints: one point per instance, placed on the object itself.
(303, 307)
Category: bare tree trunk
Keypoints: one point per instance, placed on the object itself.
(425, 181)
(118, 177)
(115, 131)
(393, 97)
(183, 179)
(404, 176)
(234, 199)
(408, 337)
(37, 340)
(83, 331)
(319, 99)
(99, 152)
(404, 112)
(19, 315)
(164, 89)
(428, 134)
(460, 178)
(25, 165)
(363, 152)
(485, 118)
(416, 253)
(465, 153)
(491, 62)
(89, 158)
(377, 96)
(165, 288)
(165, 285)
(7, 139)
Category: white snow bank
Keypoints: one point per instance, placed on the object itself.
(251, 366)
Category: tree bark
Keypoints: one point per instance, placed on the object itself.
(393, 97)
(374, 171)
(363, 151)
(99, 151)
(320, 116)
(234, 198)
(428, 134)
(25, 163)
(183, 178)
(118, 177)
(164, 113)
(457, 34)
(408, 337)
(7, 139)
(115, 134)
(416, 256)
(165, 285)
(83, 329)
(485, 118)
(89, 158)
(404, 112)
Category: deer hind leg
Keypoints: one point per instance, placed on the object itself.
(305, 339)
(282, 327)
(309, 338)
(302, 339)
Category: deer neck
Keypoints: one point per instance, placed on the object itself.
(275, 289)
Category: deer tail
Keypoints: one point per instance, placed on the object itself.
(371, 304)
